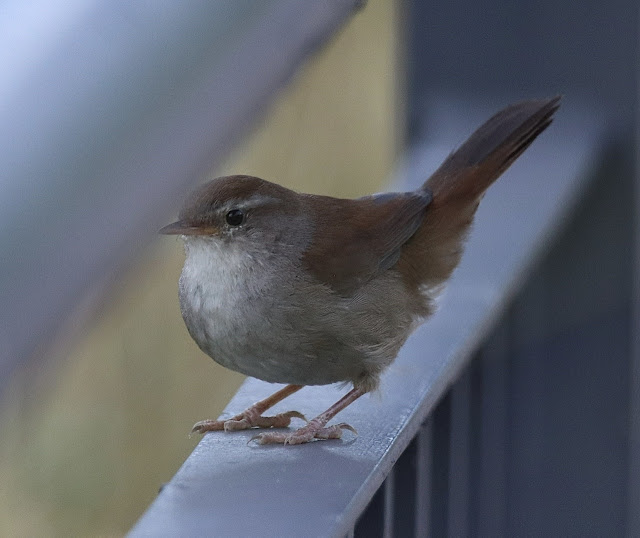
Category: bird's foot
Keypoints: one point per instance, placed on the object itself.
(249, 418)
(315, 429)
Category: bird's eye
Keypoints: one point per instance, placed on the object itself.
(235, 217)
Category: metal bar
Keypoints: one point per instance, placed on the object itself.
(372, 521)
(405, 473)
(440, 468)
(107, 118)
(633, 485)
(460, 447)
(475, 443)
(389, 487)
(492, 498)
(528, 410)
(423, 486)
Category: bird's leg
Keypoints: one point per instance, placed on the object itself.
(252, 416)
(316, 428)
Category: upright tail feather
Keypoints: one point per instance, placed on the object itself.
(491, 149)
(458, 185)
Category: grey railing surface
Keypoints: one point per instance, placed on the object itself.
(230, 488)
(110, 111)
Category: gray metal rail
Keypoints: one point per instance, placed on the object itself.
(229, 488)
(110, 110)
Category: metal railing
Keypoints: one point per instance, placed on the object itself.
(110, 115)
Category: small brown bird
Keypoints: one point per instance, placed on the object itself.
(311, 290)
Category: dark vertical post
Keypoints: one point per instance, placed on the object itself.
(440, 468)
(527, 408)
(424, 476)
(405, 491)
(460, 476)
(492, 494)
(371, 523)
(633, 491)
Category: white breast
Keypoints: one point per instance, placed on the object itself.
(214, 281)
(224, 297)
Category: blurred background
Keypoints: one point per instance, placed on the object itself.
(97, 418)
(112, 112)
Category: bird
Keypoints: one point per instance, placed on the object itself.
(305, 289)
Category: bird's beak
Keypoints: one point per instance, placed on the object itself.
(182, 228)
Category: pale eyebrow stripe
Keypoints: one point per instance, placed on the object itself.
(258, 200)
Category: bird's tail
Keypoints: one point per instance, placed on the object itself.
(490, 150)
(458, 185)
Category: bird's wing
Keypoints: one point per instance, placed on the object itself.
(356, 239)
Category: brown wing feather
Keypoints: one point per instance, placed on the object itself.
(356, 239)
(458, 185)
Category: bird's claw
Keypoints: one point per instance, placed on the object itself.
(303, 435)
(245, 421)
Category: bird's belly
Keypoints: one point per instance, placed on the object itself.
(287, 330)
(251, 335)
(254, 345)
